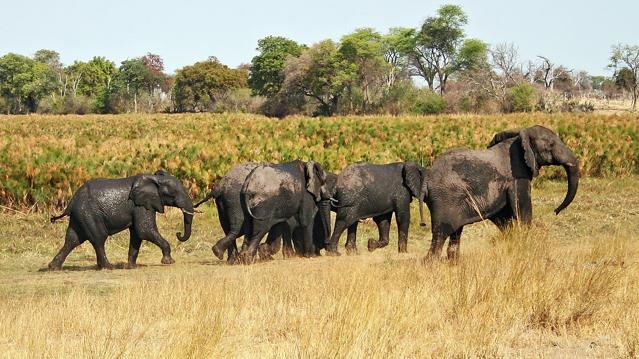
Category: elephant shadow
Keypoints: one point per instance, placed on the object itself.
(79, 268)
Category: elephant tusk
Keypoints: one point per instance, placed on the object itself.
(333, 200)
(570, 164)
(190, 213)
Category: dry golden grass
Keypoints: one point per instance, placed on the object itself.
(567, 287)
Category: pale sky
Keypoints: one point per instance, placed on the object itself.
(577, 34)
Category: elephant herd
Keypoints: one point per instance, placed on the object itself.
(292, 203)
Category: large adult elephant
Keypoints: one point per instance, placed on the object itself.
(276, 193)
(226, 193)
(103, 207)
(366, 190)
(291, 234)
(466, 186)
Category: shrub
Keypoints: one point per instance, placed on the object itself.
(522, 98)
(428, 103)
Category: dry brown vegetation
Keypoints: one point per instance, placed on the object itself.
(565, 288)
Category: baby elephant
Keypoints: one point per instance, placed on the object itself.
(102, 207)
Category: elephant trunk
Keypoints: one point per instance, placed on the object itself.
(572, 171)
(188, 212)
(423, 193)
(325, 213)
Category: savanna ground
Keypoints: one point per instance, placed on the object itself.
(567, 287)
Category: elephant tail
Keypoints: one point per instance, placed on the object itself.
(215, 192)
(246, 198)
(64, 214)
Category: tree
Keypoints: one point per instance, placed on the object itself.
(320, 74)
(396, 46)
(548, 73)
(23, 82)
(627, 56)
(363, 54)
(440, 50)
(55, 75)
(198, 87)
(266, 75)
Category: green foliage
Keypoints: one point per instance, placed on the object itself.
(46, 158)
(428, 103)
(440, 50)
(267, 68)
(523, 98)
(198, 87)
(321, 74)
(23, 82)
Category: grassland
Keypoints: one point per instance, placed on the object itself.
(44, 158)
(567, 287)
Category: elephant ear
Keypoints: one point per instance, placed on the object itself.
(529, 153)
(315, 179)
(503, 136)
(412, 174)
(145, 193)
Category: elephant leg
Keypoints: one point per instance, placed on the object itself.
(331, 247)
(520, 201)
(403, 223)
(308, 247)
(351, 239)
(134, 247)
(436, 244)
(232, 252)
(383, 227)
(97, 235)
(156, 238)
(71, 240)
(272, 245)
(249, 248)
(100, 253)
(224, 243)
(287, 250)
(453, 244)
(503, 219)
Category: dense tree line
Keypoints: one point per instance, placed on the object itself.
(429, 69)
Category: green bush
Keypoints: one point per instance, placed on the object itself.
(522, 98)
(428, 103)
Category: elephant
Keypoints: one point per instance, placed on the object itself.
(465, 186)
(227, 200)
(232, 220)
(277, 193)
(103, 207)
(291, 234)
(366, 190)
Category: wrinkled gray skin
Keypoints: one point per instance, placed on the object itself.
(103, 207)
(292, 234)
(229, 208)
(367, 190)
(231, 215)
(274, 194)
(465, 186)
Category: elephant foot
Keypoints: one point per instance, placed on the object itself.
(54, 266)
(231, 260)
(332, 253)
(167, 260)
(130, 265)
(351, 251)
(107, 266)
(402, 248)
(372, 245)
(264, 252)
(218, 252)
(246, 258)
